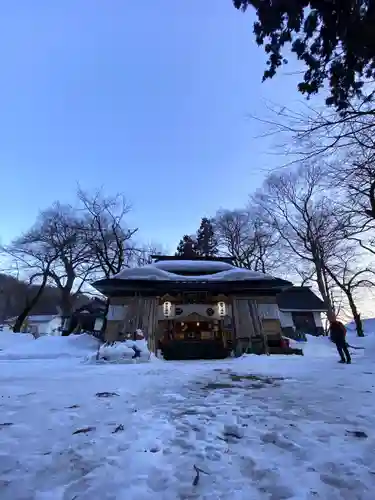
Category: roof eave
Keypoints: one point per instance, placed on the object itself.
(110, 286)
(295, 309)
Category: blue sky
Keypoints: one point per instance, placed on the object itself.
(150, 98)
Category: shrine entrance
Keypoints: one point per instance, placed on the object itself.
(190, 329)
(195, 337)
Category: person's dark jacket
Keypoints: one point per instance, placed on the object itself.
(338, 332)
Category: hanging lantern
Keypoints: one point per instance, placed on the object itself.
(167, 309)
(221, 309)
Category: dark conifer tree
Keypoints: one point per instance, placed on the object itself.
(187, 247)
(335, 40)
(207, 244)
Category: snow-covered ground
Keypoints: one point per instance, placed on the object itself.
(278, 427)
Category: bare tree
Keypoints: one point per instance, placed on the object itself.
(31, 302)
(320, 232)
(58, 232)
(108, 238)
(36, 260)
(345, 147)
(315, 132)
(69, 246)
(344, 143)
(349, 278)
(243, 236)
(143, 254)
(305, 218)
(356, 175)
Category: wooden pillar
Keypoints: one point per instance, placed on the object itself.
(244, 325)
(114, 323)
(112, 331)
(149, 320)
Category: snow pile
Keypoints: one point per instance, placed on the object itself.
(318, 347)
(323, 347)
(366, 343)
(47, 347)
(368, 325)
(129, 351)
(9, 339)
(115, 352)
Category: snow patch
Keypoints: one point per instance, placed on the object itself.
(305, 431)
(257, 426)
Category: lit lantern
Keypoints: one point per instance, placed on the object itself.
(167, 309)
(221, 309)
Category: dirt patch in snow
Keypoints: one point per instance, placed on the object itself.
(221, 385)
(244, 382)
(106, 394)
(267, 380)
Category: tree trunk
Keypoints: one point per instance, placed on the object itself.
(323, 290)
(102, 333)
(66, 310)
(356, 315)
(29, 306)
(371, 212)
(66, 303)
(348, 292)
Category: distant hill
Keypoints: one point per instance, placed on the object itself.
(14, 294)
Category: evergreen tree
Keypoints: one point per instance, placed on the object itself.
(187, 247)
(334, 39)
(207, 244)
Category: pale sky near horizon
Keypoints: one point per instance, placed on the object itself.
(150, 98)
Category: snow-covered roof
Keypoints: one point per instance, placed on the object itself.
(217, 271)
(36, 318)
(300, 298)
(192, 266)
(41, 318)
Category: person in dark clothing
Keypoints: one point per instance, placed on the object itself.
(338, 337)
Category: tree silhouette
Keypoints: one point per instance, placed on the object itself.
(335, 39)
(187, 247)
(207, 244)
